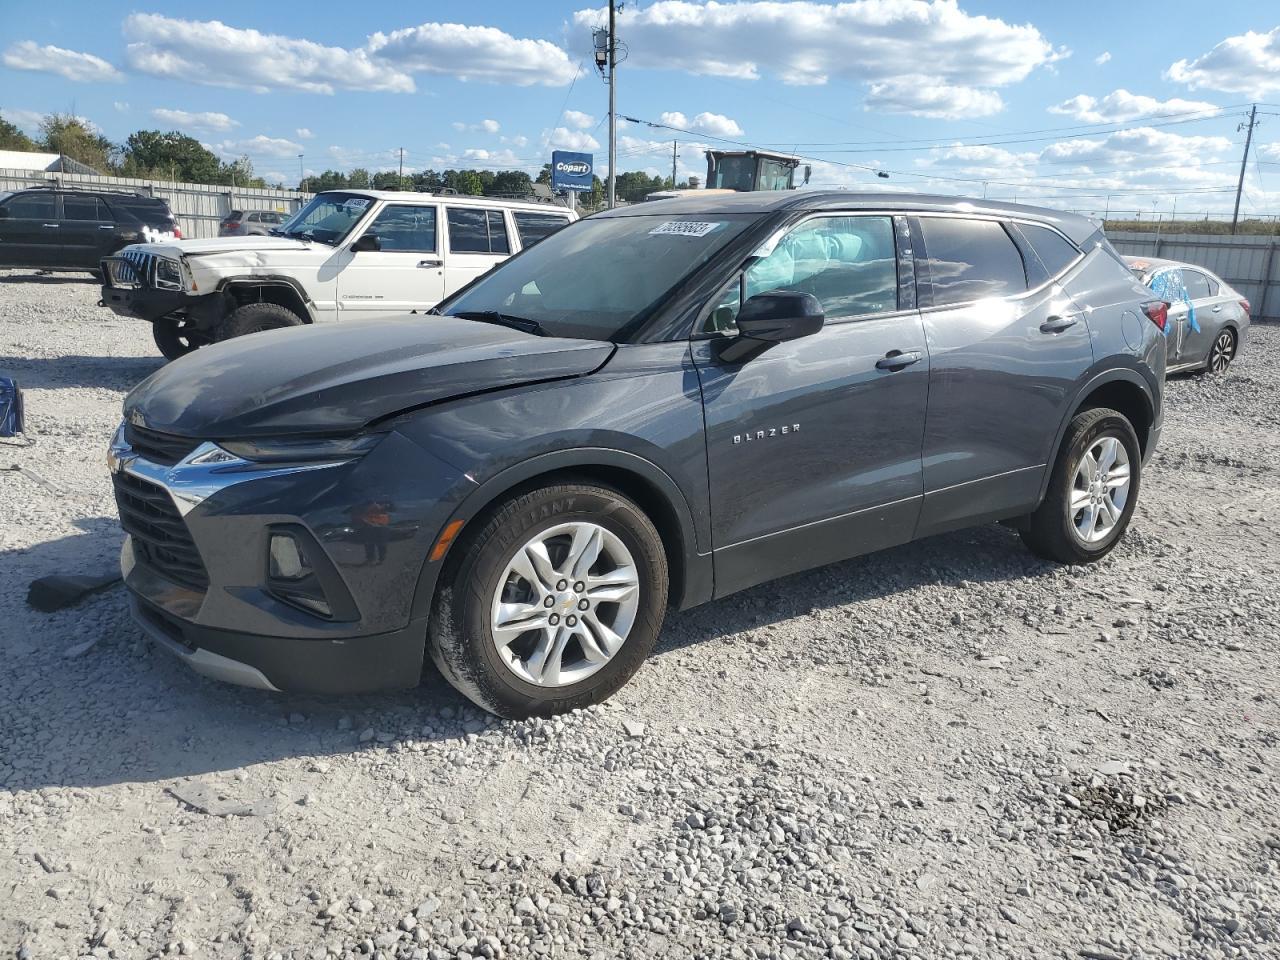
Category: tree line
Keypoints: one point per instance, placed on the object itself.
(146, 154)
(174, 156)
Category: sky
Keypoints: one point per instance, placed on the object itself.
(1089, 106)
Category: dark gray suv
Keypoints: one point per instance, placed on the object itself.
(659, 405)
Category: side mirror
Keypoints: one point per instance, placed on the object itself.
(366, 242)
(773, 317)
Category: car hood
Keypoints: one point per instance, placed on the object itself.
(336, 378)
(211, 245)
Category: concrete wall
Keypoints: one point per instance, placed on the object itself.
(197, 207)
(1248, 263)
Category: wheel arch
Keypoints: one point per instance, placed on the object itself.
(284, 291)
(639, 479)
(1122, 389)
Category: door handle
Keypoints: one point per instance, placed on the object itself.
(1058, 324)
(106, 226)
(1218, 308)
(51, 226)
(430, 263)
(896, 360)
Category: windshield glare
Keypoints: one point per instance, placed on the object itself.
(598, 277)
(327, 218)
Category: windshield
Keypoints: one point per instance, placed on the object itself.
(733, 173)
(599, 277)
(327, 218)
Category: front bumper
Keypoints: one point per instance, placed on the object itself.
(143, 303)
(195, 562)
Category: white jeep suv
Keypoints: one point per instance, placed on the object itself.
(346, 255)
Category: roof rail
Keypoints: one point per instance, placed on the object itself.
(89, 189)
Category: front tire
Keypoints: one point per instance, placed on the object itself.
(178, 336)
(1093, 491)
(553, 603)
(256, 318)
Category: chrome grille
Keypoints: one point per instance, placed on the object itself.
(162, 448)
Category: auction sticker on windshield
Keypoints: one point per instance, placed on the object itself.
(684, 228)
(356, 203)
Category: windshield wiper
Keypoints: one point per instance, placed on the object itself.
(523, 324)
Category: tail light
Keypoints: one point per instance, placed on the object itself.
(1245, 305)
(1157, 312)
(177, 232)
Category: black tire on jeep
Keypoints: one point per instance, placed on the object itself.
(255, 318)
(1092, 493)
(551, 602)
(178, 336)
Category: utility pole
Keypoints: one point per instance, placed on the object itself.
(1248, 139)
(673, 164)
(402, 167)
(301, 176)
(613, 101)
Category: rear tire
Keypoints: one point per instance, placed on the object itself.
(1087, 508)
(178, 336)
(1221, 353)
(524, 621)
(255, 318)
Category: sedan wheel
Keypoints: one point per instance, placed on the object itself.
(565, 604)
(1223, 351)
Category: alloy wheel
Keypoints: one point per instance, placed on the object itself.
(565, 604)
(1100, 490)
(1220, 355)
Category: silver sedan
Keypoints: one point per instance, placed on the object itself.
(1207, 318)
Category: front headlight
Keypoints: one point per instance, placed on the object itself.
(169, 274)
(302, 451)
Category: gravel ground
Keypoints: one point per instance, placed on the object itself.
(949, 749)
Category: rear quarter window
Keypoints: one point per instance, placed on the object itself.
(533, 227)
(1052, 248)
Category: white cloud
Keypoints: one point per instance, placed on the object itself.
(520, 140)
(500, 158)
(303, 133)
(83, 67)
(1103, 57)
(579, 120)
(473, 53)
(259, 146)
(1122, 105)
(210, 52)
(483, 126)
(805, 42)
(26, 120)
(1142, 146)
(932, 97)
(562, 138)
(715, 124)
(1248, 64)
(214, 122)
(122, 106)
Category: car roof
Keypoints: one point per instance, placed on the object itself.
(461, 199)
(769, 201)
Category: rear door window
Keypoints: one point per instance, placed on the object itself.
(477, 231)
(533, 227)
(1197, 284)
(971, 260)
(408, 228)
(84, 208)
(31, 206)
